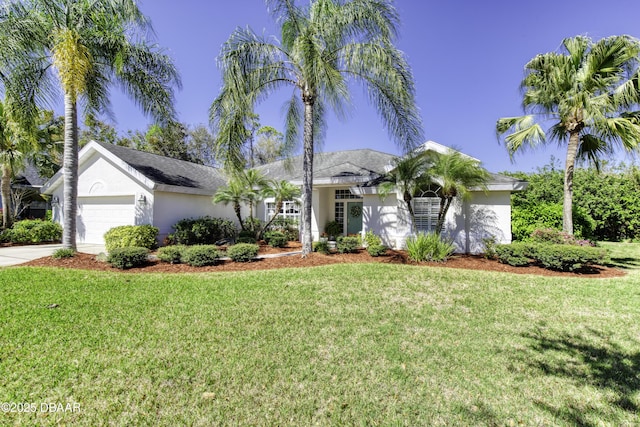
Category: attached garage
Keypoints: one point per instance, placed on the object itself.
(103, 213)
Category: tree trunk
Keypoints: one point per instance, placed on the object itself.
(307, 177)
(407, 200)
(445, 202)
(567, 213)
(279, 204)
(238, 211)
(70, 173)
(6, 196)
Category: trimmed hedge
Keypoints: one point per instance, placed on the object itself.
(243, 252)
(376, 250)
(347, 244)
(201, 255)
(124, 236)
(171, 254)
(276, 239)
(201, 231)
(551, 256)
(129, 257)
(33, 231)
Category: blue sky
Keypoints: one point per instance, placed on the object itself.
(467, 59)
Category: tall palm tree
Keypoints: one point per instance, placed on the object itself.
(84, 45)
(324, 47)
(457, 175)
(586, 92)
(409, 174)
(255, 184)
(281, 191)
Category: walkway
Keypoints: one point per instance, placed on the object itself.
(14, 255)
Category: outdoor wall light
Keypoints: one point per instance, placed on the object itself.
(142, 200)
(55, 200)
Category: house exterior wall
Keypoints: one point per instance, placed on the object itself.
(169, 208)
(381, 217)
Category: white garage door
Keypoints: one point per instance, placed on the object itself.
(96, 215)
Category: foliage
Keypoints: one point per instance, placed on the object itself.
(144, 236)
(277, 239)
(201, 255)
(128, 257)
(63, 253)
(321, 247)
(347, 244)
(35, 231)
(526, 219)
(517, 254)
(243, 252)
(429, 247)
(489, 244)
(333, 229)
(568, 257)
(376, 250)
(202, 231)
(553, 236)
(588, 94)
(171, 254)
(287, 226)
(325, 45)
(5, 236)
(371, 239)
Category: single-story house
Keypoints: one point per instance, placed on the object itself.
(120, 186)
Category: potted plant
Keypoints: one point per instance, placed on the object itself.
(333, 229)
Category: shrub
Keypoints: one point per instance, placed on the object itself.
(347, 244)
(553, 236)
(243, 252)
(490, 247)
(371, 239)
(429, 247)
(287, 226)
(526, 219)
(35, 231)
(376, 250)
(333, 229)
(276, 239)
(128, 257)
(201, 255)
(124, 236)
(246, 240)
(567, 257)
(63, 253)
(321, 247)
(5, 236)
(516, 254)
(171, 254)
(202, 231)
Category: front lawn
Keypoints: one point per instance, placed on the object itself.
(361, 344)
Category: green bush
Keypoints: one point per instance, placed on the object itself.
(553, 236)
(128, 257)
(526, 219)
(35, 231)
(376, 250)
(125, 236)
(517, 254)
(246, 240)
(63, 253)
(276, 239)
(171, 254)
(371, 239)
(333, 229)
(567, 257)
(429, 247)
(201, 231)
(201, 255)
(347, 244)
(321, 247)
(5, 236)
(490, 247)
(243, 252)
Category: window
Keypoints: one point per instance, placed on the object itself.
(345, 194)
(339, 213)
(425, 208)
(290, 211)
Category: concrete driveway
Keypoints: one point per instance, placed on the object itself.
(14, 255)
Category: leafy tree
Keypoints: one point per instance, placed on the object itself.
(409, 174)
(270, 146)
(281, 191)
(586, 91)
(97, 130)
(324, 46)
(457, 175)
(86, 45)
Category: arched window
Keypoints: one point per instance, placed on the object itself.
(426, 205)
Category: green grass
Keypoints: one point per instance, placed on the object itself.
(366, 344)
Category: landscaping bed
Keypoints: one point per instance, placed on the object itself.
(471, 262)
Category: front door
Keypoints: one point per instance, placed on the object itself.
(354, 217)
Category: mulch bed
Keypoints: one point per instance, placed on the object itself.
(471, 262)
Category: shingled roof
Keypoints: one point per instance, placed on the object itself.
(168, 171)
(352, 165)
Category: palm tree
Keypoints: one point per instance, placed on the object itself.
(324, 47)
(255, 183)
(281, 191)
(87, 45)
(233, 193)
(409, 174)
(457, 175)
(586, 91)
